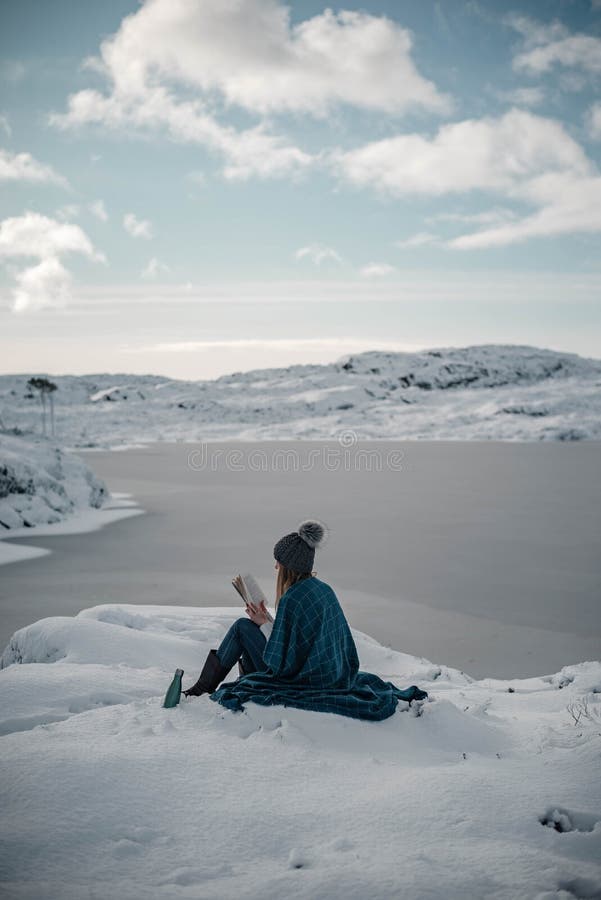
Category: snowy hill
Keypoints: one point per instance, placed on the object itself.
(501, 392)
(41, 484)
(46, 490)
(488, 789)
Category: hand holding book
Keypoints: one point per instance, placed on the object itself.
(253, 596)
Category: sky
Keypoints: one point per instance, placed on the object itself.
(197, 187)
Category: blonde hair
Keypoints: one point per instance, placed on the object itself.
(286, 578)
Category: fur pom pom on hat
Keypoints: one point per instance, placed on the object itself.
(313, 533)
(296, 550)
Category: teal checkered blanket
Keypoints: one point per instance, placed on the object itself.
(313, 662)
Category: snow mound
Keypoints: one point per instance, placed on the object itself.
(41, 484)
(489, 788)
(161, 638)
(491, 391)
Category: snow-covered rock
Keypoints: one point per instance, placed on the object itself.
(493, 391)
(488, 789)
(41, 484)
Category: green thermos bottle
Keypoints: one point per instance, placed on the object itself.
(175, 689)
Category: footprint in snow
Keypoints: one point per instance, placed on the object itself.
(299, 859)
(303, 859)
(564, 820)
(340, 844)
(188, 876)
(578, 888)
(132, 841)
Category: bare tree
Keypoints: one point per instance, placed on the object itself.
(46, 389)
(51, 390)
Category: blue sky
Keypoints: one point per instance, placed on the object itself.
(200, 187)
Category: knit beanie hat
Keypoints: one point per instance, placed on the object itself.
(296, 550)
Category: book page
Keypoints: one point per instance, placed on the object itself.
(253, 590)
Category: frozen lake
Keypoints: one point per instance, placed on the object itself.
(481, 555)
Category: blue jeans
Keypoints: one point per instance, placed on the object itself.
(243, 639)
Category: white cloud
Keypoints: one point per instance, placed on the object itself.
(318, 253)
(13, 70)
(484, 154)
(376, 270)
(250, 54)
(547, 46)
(137, 228)
(154, 268)
(97, 208)
(5, 125)
(568, 204)
(417, 240)
(247, 54)
(526, 158)
(281, 343)
(493, 216)
(247, 153)
(572, 82)
(33, 235)
(594, 120)
(535, 32)
(23, 167)
(579, 50)
(523, 96)
(67, 212)
(46, 284)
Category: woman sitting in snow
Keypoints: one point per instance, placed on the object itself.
(305, 657)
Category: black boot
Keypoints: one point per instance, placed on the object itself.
(241, 670)
(210, 678)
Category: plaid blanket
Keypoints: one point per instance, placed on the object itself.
(313, 662)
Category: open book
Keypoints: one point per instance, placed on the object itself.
(249, 590)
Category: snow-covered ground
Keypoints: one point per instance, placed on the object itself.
(489, 789)
(41, 484)
(45, 490)
(501, 392)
